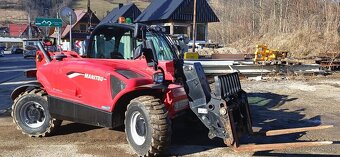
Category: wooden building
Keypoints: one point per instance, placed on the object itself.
(177, 16)
(81, 29)
(128, 11)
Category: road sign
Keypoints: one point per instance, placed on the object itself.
(48, 22)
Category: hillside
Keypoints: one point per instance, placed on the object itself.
(14, 11)
(102, 6)
(304, 27)
(11, 11)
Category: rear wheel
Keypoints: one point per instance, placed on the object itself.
(31, 116)
(147, 126)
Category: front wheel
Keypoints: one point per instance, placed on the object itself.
(31, 115)
(147, 126)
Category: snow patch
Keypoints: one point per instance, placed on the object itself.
(302, 87)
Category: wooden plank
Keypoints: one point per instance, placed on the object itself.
(295, 130)
(266, 147)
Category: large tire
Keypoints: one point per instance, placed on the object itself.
(31, 115)
(147, 126)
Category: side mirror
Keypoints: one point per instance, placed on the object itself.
(140, 32)
(138, 51)
(151, 55)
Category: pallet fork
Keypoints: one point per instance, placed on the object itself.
(226, 113)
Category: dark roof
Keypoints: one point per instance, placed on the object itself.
(127, 11)
(177, 10)
(115, 25)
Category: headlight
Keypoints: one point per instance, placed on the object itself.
(158, 77)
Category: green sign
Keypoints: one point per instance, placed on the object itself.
(47, 22)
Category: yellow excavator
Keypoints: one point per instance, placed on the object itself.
(263, 54)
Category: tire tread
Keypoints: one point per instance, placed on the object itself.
(160, 123)
(54, 123)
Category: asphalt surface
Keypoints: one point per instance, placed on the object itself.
(12, 67)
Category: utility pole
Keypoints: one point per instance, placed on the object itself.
(90, 14)
(70, 16)
(29, 24)
(46, 16)
(253, 18)
(88, 5)
(58, 30)
(194, 27)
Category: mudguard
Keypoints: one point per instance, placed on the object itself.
(17, 91)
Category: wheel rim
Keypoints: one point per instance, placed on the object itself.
(32, 114)
(138, 128)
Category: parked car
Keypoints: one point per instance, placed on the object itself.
(2, 51)
(16, 50)
(30, 51)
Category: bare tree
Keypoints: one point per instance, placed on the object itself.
(242, 19)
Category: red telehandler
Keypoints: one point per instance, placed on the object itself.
(132, 76)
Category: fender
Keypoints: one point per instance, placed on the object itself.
(118, 112)
(153, 87)
(31, 73)
(17, 91)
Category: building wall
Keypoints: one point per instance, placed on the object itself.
(176, 28)
(81, 27)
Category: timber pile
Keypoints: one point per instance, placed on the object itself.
(330, 61)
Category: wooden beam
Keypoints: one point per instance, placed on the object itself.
(266, 147)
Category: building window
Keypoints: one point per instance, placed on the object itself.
(82, 27)
(167, 29)
(201, 28)
(201, 32)
(180, 30)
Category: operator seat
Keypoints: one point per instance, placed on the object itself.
(116, 55)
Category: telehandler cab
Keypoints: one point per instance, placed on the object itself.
(133, 77)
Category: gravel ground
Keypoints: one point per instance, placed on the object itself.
(275, 104)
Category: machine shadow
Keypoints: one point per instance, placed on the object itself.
(5, 113)
(268, 153)
(291, 155)
(72, 128)
(265, 114)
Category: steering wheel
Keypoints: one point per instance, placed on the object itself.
(100, 55)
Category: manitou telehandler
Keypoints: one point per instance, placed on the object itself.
(132, 76)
